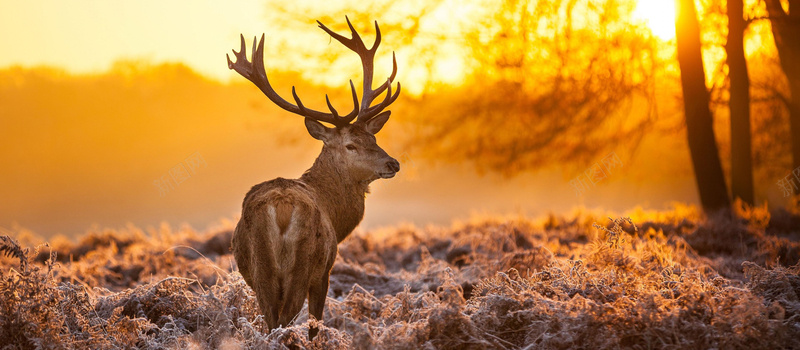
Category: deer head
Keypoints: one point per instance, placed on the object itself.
(351, 146)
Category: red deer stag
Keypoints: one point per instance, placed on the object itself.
(286, 240)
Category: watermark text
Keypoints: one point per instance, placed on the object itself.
(596, 173)
(179, 173)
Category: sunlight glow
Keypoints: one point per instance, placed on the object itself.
(450, 70)
(659, 15)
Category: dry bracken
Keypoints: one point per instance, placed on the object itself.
(495, 283)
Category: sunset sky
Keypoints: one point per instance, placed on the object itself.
(85, 36)
(89, 35)
(90, 152)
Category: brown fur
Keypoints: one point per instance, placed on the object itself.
(286, 240)
(283, 214)
(277, 252)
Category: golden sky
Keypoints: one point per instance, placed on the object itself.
(83, 36)
(89, 35)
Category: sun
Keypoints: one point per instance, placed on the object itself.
(659, 15)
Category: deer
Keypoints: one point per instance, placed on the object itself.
(286, 240)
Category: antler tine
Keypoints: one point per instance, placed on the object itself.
(377, 37)
(231, 65)
(330, 106)
(367, 56)
(355, 43)
(255, 72)
(383, 86)
(300, 106)
(387, 100)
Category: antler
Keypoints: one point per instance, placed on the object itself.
(367, 57)
(254, 71)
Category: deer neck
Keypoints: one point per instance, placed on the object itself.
(338, 194)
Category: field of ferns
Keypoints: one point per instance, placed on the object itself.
(667, 280)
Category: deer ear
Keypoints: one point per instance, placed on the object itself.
(376, 123)
(317, 130)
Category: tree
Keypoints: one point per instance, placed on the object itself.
(741, 154)
(561, 81)
(699, 123)
(786, 32)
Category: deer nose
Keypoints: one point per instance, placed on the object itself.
(393, 165)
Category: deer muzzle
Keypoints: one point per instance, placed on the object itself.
(392, 167)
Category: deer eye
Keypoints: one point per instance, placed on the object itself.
(350, 147)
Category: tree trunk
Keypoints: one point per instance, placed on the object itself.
(786, 31)
(739, 104)
(699, 124)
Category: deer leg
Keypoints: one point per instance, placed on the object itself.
(269, 301)
(316, 302)
(294, 295)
